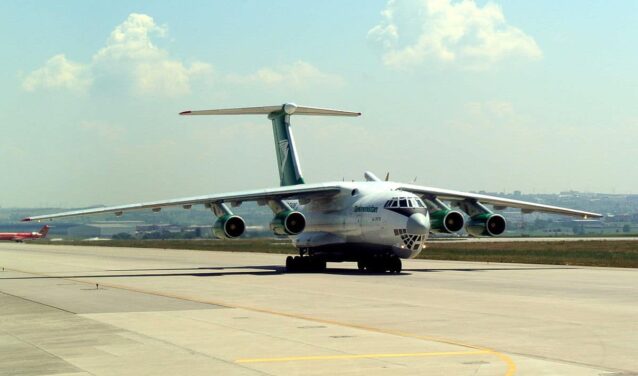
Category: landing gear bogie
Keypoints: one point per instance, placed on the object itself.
(299, 264)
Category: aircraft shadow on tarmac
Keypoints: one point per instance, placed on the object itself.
(264, 270)
(478, 269)
(276, 269)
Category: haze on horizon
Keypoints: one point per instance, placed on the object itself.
(495, 96)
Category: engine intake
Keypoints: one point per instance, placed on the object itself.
(229, 227)
(446, 221)
(486, 224)
(288, 223)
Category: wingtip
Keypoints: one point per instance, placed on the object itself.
(25, 219)
(185, 112)
(593, 216)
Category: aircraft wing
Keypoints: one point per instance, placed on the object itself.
(305, 191)
(497, 202)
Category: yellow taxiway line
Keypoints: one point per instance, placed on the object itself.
(358, 356)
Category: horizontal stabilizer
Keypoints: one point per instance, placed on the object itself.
(288, 108)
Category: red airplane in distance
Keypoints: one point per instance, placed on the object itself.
(22, 236)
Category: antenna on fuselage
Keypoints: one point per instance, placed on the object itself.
(287, 159)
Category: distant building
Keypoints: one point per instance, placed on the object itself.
(163, 227)
(588, 225)
(104, 229)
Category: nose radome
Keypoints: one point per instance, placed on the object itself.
(418, 224)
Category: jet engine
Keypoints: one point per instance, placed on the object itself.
(229, 227)
(486, 224)
(446, 221)
(288, 222)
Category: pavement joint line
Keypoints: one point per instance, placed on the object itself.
(358, 356)
(23, 340)
(511, 366)
(36, 302)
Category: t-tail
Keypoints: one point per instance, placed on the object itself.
(287, 157)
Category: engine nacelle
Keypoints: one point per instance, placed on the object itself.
(288, 222)
(229, 227)
(486, 224)
(446, 221)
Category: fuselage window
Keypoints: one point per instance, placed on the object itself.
(394, 204)
(420, 203)
(403, 203)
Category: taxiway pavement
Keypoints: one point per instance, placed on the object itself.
(83, 310)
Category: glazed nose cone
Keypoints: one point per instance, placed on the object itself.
(418, 224)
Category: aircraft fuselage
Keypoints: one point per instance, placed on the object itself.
(366, 218)
(19, 236)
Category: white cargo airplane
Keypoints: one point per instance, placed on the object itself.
(375, 223)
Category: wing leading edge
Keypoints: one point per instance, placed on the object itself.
(525, 206)
(289, 192)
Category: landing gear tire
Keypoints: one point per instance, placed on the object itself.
(318, 265)
(361, 265)
(377, 265)
(290, 264)
(395, 265)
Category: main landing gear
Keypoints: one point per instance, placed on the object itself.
(377, 263)
(305, 264)
(381, 264)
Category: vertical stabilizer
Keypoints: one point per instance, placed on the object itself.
(287, 158)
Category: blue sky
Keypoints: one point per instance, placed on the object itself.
(497, 96)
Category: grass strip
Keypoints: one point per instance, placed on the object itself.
(587, 252)
(617, 253)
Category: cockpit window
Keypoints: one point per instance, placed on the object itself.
(391, 203)
(405, 202)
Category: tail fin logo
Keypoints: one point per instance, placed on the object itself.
(284, 149)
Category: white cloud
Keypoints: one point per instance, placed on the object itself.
(131, 40)
(131, 60)
(129, 54)
(169, 77)
(58, 72)
(463, 32)
(299, 74)
(130, 51)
